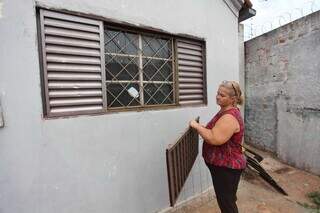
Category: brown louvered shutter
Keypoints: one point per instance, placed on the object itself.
(73, 64)
(180, 158)
(191, 72)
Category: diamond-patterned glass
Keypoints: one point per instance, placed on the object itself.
(128, 69)
(121, 42)
(157, 70)
(122, 68)
(155, 94)
(156, 47)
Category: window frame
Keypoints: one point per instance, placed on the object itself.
(114, 24)
(141, 33)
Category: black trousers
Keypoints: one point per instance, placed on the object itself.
(225, 183)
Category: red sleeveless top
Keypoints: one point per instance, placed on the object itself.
(230, 153)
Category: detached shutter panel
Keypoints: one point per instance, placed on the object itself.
(191, 72)
(73, 64)
(180, 158)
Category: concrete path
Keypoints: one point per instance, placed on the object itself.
(256, 196)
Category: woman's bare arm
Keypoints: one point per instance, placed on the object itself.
(223, 130)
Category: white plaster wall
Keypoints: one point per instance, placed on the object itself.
(104, 163)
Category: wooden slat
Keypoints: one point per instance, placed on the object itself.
(189, 57)
(68, 17)
(75, 101)
(190, 91)
(74, 76)
(74, 93)
(191, 69)
(72, 50)
(191, 97)
(190, 75)
(73, 68)
(190, 102)
(188, 41)
(73, 85)
(71, 25)
(71, 33)
(189, 46)
(189, 52)
(191, 80)
(184, 154)
(190, 86)
(175, 167)
(71, 42)
(58, 58)
(171, 176)
(71, 109)
(189, 63)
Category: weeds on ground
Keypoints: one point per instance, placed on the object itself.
(315, 198)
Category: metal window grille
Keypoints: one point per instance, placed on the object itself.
(191, 72)
(140, 62)
(180, 159)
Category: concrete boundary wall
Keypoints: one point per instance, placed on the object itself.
(282, 74)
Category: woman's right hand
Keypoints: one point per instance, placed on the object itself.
(193, 124)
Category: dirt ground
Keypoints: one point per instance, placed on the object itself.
(256, 196)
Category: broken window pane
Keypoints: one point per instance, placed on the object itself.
(119, 96)
(127, 68)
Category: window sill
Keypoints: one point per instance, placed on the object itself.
(115, 111)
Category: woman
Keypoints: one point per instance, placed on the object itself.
(222, 149)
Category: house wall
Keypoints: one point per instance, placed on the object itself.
(283, 92)
(101, 163)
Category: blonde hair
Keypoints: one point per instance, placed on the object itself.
(236, 90)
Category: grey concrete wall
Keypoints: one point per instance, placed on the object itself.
(102, 163)
(241, 63)
(283, 92)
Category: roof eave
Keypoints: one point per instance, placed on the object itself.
(246, 13)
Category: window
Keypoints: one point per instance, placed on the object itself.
(93, 67)
(139, 69)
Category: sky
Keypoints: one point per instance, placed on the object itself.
(274, 13)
